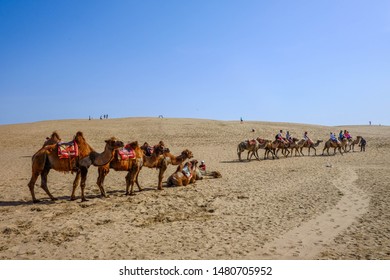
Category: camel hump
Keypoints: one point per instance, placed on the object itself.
(55, 135)
(79, 134)
(79, 137)
(133, 144)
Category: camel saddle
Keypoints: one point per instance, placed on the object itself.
(126, 153)
(252, 142)
(187, 172)
(67, 150)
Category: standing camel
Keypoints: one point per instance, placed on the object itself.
(153, 159)
(331, 144)
(250, 145)
(277, 145)
(267, 146)
(132, 164)
(305, 144)
(293, 145)
(47, 158)
(176, 160)
(355, 142)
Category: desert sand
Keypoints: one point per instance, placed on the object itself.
(301, 207)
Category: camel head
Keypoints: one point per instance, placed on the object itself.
(194, 163)
(114, 143)
(187, 153)
(159, 149)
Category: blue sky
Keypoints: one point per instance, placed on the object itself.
(318, 62)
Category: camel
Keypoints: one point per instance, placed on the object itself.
(305, 144)
(200, 174)
(266, 145)
(131, 164)
(354, 142)
(47, 158)
(176, 160)
(152, 157)
(277, 145)
(185, 174)
(155, 160)
(250, 145)
(162, 162)
(293, 145)
(336, 145)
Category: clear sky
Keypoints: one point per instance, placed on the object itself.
(319, 62)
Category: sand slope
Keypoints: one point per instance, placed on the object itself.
(294, 208)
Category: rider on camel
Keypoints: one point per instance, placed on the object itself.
(279, 137)
(306, 137)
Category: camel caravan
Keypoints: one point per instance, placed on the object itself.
(77, 156)
(290, 145)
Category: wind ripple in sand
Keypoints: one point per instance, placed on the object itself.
(309, 239)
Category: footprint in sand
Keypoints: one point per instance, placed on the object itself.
(308, 240)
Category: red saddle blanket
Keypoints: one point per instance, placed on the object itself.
(252, 142)
(67, 150)
(126, 153)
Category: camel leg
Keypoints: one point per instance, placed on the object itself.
(102, 171)
(128, 184)
(257, 154)
(239, 155)
(274, 154)
(136, 178)
(75, 184)
(84, 172)
(161, 176)
(131, 178)
(31, 185)
(44, 174)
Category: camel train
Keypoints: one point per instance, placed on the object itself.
(288, 147)
(77, 156)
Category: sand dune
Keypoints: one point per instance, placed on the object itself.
(311, 207)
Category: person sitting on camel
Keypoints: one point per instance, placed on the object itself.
(279, 137)
(306, 137)
(341, 135)
(288, 137)
(347, 135)
(333, 138)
